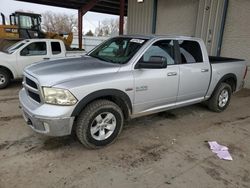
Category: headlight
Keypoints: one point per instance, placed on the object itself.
(58, 96)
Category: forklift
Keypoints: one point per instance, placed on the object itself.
(23, 25)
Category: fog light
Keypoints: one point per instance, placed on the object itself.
(46, 126)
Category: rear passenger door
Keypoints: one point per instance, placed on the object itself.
(194, 71)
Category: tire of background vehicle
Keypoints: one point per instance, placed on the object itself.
(4, 78)
(92, 117)
(221, 98)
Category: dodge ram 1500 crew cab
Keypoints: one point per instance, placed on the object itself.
(14, 59)
(122, 78)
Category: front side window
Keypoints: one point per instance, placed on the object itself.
(34, 49)
(190, 52)
(118, 50)
(164, 49)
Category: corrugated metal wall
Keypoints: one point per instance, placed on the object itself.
(140, 17)
(201, 18)
(236, 38)
(177, 17)
(209, 23)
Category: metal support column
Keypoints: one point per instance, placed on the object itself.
(80, 28)
(121, 22)
(81, 12)
(154, 16)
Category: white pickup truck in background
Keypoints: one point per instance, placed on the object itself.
(18, 56)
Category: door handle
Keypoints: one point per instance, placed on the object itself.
(46, 58)
(204, 70)
(172, 73)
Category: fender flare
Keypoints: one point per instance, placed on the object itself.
(118, 94)
(225, 77)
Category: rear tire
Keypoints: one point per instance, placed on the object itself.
(4, 78)
(220, 98)
(99, 124)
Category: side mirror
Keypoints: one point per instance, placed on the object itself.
(155, 62)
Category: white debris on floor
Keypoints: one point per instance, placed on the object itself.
(221, 151)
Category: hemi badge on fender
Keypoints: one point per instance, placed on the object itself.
(129, 89)
(141, 88)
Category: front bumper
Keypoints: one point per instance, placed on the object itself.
(46, 119)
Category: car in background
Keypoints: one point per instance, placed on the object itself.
(18, 56)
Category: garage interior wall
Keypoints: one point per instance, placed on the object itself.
(140, 17)
(200, 18)
(209, 25)
(177, 17)
(236, 37)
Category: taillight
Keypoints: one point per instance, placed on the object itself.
(245, 73)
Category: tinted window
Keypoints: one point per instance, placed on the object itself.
(190, 52)
(56, 48)
(35, 48)
(161, 48)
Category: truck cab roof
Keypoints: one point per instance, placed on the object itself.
(41, 40)
(148, 37)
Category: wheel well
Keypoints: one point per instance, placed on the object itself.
(229, 79)
(118, 97)
(8, 70)
(232, 82)
(117, 100)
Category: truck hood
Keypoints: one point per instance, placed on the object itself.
(50, 73)
(2, 54)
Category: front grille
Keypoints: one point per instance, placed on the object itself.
(30, 83)
(34, 96)
(32, 89)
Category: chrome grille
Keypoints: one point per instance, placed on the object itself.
(32, 89)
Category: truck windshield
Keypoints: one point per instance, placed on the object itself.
(117, 50)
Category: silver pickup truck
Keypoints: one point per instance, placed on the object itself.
(125, 77)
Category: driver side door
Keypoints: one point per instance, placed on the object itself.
(156, 88)
(32, 53)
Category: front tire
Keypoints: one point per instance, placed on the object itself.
(99, 124)
(4, 78)
(221, 98)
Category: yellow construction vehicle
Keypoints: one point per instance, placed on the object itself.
(25, 25)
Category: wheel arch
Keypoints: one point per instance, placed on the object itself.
(117, 96)
(8, 70)
(230, 79)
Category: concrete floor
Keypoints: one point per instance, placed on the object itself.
(162, 150)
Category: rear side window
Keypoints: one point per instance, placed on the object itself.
(56, 48)
(190, 52)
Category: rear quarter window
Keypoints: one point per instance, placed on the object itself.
(56, 48)
(190, 52)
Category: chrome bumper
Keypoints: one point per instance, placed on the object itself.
(52, 121)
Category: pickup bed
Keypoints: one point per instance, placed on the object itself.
(125, 77)
(15, 58)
